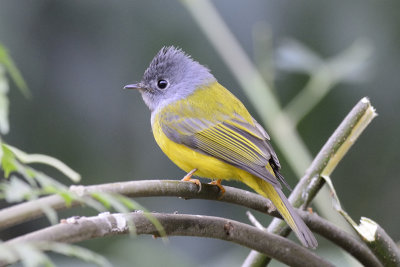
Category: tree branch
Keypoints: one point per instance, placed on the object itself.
(343, 239)
(370, 232)
(323, 164)
(331, 153)
(331, 232)
(80, 229)
(147, 188)
(150, 188)
(309, 185)
(379, 242)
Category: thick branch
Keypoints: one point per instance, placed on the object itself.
(76, 230)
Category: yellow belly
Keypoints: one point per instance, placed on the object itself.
(210, 167)
(188, 159)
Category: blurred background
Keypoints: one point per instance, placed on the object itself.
(77, 55)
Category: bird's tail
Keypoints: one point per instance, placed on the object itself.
(288, 213)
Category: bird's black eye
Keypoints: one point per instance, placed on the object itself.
(162, 84)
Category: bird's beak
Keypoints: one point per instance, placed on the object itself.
(136, 86)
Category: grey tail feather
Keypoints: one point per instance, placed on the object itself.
(282, 179)
(304, 234)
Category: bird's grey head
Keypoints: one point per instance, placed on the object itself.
(171, 76)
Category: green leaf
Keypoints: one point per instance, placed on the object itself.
(4, 103)
(115, 202)
(44, 159)
(47, 183)
(51, 214)
(16, 76)
(31, 256)
(1, 151)
(6, 253)
(102, 199)
(78, 252)
(30, 173)
(68, 197)
(8, 162)
(16, 190)
(156, 224)
(124, 204)
(93, 203)
(131, 204)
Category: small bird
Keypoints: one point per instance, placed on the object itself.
(204, 129)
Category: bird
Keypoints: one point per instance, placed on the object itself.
(208, 132)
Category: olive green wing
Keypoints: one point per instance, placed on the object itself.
(233, 140)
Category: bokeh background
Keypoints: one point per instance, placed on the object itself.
(77, 55)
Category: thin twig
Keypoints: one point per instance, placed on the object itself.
(85, 228)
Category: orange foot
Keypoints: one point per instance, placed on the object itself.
(188, 178)
(221, 188)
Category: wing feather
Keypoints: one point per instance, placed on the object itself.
(234, 141)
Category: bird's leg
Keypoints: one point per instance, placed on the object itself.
(188, 178)
(221, 188)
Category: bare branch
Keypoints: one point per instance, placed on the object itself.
(323, 164)
(343, 239)
(332, 152)
(80, 229)
(379, 241)
(150, 188)
(147, 188)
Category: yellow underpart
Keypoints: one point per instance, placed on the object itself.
(209, 167)
(195, 106)
(215, 104)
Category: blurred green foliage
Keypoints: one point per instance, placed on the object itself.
(23, 183)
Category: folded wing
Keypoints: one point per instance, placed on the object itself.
(233, 140)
